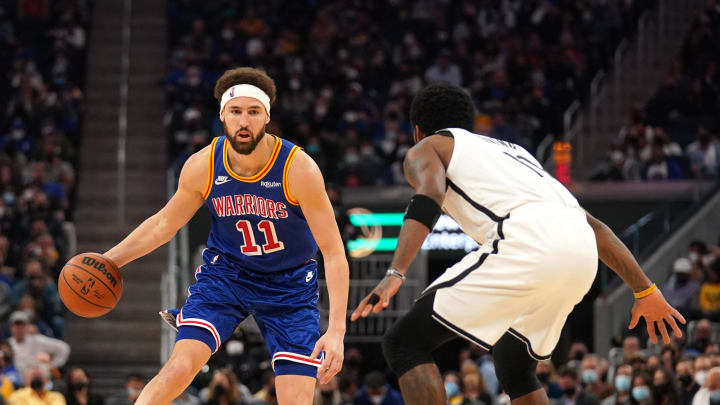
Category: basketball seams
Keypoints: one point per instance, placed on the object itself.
(80, 296)
(97, 278)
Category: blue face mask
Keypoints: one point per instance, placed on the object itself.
(623, 383)
(589, 376)
(715, 395)
(451, 389)
(641, 393)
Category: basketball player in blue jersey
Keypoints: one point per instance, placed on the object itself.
(270, 213)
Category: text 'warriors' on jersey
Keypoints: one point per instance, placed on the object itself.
(256, 223)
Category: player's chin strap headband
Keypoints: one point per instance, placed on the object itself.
(245, 90)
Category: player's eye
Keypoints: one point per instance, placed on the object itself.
(254, 112)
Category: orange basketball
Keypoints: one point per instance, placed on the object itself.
(90, 285)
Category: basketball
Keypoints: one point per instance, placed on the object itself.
(90, 285)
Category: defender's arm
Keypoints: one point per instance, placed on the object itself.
(160, 228)
(425, 172)
(649, 303)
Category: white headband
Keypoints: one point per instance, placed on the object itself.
(245, 90)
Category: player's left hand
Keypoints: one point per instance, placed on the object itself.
(656, 310)
(332, 344)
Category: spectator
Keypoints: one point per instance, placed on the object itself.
(474, 391)
(134, 384)
(443, 70)
(27, 345)
(704, 155)
(642, 389)
(38, 285)
(703, 334)
(8, 365)
(623, 386)
(452, 388)
(268, 382)
(573, 393)
(688, 387)
(78, 390)
(548, 379)
(664, 388)
(186, 398)
(710, 392)
(223, 389)
(589, 370)
(702, 365)
(35, 392)
(329, 394)
(662, 167)
(710, 292)
(681, 291)
(377, 392)
(630, 346)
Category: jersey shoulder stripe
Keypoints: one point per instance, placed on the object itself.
(211, 169)
(286, 171)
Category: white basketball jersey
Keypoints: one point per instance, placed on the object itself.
(487, 178)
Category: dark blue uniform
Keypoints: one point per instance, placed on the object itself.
(258, 261)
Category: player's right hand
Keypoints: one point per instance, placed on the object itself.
(656, 310)
(378, 299)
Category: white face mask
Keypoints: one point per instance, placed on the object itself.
(700, 377)
(377, 399)
(693, 256)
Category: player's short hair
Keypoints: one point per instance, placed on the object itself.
(440, 106)
(245, 75)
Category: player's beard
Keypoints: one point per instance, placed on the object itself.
(244, 148)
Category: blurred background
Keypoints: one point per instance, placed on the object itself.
(102, 101)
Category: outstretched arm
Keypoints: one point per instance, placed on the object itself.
(653, 307)
(425, 171)
(308, 187)
(161, 227)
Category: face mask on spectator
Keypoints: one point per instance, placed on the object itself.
(715, 396)
(451, 389)
(36, 384)
(543, 377)
(589, 376)
(569, 392)
(641, 393)
(623, 383)
(685, 379)
(700, 377)
(694, 256)
(377, 399)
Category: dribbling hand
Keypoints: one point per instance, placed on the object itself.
(378, 299)
(656, 310)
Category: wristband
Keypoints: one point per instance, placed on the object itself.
(424, 210)
(644, 293)
(393, 272)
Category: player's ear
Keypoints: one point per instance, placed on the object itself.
(222, 117)
(267, 119)
(418, 135)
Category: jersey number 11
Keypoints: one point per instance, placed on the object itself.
(250, 248)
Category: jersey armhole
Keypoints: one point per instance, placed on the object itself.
(286, 172)
(211, 169)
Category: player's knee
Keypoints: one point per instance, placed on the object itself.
(178, 371)
(402, 352)
(514, 367)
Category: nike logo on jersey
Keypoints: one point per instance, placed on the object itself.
(309, 276)
(270, 184)
(221, 180)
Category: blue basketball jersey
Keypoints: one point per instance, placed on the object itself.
(256, 223)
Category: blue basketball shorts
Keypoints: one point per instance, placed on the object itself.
(284, 305)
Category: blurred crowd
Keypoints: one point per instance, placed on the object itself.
(346, 71)
(43, 63)
(676, 135)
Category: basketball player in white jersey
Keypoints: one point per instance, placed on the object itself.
(538, 256)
